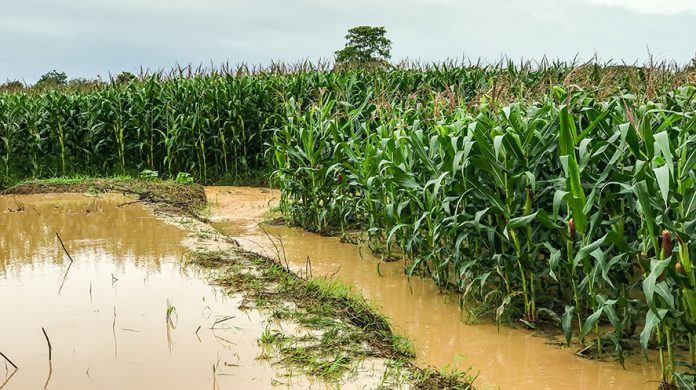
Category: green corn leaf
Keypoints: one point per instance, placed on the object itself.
(557, 200)
(652, 319)
(567, 323)
(631, 140)
(662, 289)
(657, 267)
(497, 145)
(594, 124)
(609, 310)
(590, 322)
(640, 189)
(518, 222)
(662, 146)
(567, 132)
(554, 260)
(662, 176)
(586, 250)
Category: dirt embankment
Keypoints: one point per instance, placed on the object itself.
(188, 199)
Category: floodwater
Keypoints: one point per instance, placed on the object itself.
(105, 313)
(505, 357)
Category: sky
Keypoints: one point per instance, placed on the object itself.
(91, 38)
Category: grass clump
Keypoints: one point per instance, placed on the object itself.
(335, 328)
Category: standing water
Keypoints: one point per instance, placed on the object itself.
(125, 314)
(505, 357)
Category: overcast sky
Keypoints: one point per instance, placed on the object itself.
(86, 38)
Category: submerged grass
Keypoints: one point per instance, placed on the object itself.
(340, 328)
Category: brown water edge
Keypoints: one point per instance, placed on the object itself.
(506, 357)
(106, 320)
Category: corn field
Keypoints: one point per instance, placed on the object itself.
(214, 124)
(574, 209)
(541, 192)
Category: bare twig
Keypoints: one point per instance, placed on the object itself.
(69, 265)
(19, 204)
(285, 256)
(278, 252)
(63, 245)
(50, 348)
(113, 330)
(308, 268)
(221, 320)
(2, 385)
(65, 277)
(272, 242)
(50, 373)
(335, 272)
(8, 360)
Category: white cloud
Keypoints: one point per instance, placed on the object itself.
(665, 7)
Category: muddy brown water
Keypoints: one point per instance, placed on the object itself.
(503, 357)
(107, 324)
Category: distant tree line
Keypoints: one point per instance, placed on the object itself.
(59, 80)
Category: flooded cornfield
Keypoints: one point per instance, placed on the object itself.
(98, 292)
(503, 357)
(117, 308)
(451, 224)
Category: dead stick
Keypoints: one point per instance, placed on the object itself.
(69, 265)
(8, 360)
(50, 348)
(63, 245)
(2, 385)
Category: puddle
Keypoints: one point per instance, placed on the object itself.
(108, 324)
(508, 358)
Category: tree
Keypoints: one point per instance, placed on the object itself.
(52, 79)
(125, 78)
(365, 45)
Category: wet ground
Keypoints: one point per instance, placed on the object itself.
(504, 357)
(106, 314)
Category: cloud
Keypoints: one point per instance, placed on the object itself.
(666, 7)
(85, 38)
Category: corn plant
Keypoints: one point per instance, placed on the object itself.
(569, 208)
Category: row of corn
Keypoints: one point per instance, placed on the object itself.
(575, 209)
(213, 124)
